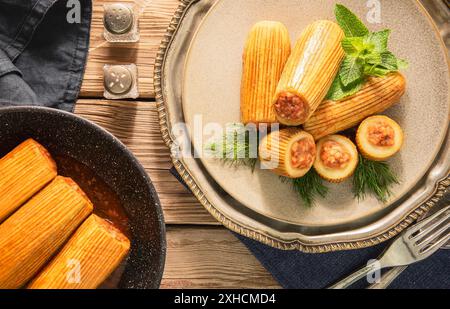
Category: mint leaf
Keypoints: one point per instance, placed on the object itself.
(389, 61)
(362, 48)
(338, 91)
(349, 22)
(379, 40)
(367, 54)
(374, 58)
(352, 69)
(402, 64)
(378, 71)
(353, 46)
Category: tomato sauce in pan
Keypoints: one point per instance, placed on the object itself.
(106, 202)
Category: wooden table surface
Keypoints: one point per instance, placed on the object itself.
(201, 253)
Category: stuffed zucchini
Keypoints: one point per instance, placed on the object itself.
(288, 152)
(33, 234)
(337, 158)
(23, 172)
(377, 95)
(266, 52)
(379, 138)
(97, 246)
(309, 72)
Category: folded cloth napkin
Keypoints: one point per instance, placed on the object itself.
(297, 270)
(43, 51)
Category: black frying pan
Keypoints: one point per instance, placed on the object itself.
(65, 134)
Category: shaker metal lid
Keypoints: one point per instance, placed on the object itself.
(118, 79)
(118, 18)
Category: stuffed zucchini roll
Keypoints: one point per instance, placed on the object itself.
(288, 152)
(97, 247)
(337, 158)
(23, 172)
(379, 138)
(377, 95)
(34, 233)
(266, 52)
(309, 72)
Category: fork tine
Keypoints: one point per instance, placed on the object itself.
(425, 241)
(434, 247)
(422, 236)
(419, 226)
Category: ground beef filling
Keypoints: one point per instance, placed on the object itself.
(333, 155)
(381, 134)
(290, 106)
(303, 153)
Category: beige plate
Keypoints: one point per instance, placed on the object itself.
(198, 73)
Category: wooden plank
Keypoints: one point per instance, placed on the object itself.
(154, 17)
(136, 125)
(179, 205)
(202, 257)
(198, 257)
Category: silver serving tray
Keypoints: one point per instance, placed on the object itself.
(379, 227)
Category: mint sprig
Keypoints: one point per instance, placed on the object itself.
(338, 90)
(349, 22)
(367, 55)
(379, 40)
(351, 71)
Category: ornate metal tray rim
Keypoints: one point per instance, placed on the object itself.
(437, 193)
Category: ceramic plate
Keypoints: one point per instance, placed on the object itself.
(202, 72)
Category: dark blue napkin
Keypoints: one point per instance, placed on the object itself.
(297, 270)
(43, 52)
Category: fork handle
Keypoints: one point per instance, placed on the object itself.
(388, 278)
(348, 281)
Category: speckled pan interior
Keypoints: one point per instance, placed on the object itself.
(66, 134)
(212, 87)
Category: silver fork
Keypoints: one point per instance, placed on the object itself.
(389, 277)
(415, 244)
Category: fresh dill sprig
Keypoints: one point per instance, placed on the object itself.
(308, 187)
(373, 177)
(238, 146)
